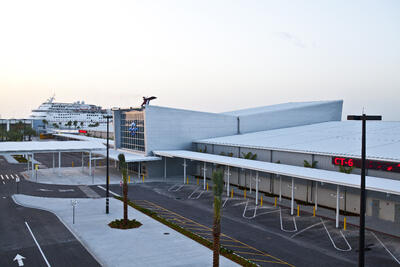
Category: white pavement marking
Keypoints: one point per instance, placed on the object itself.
(333, 243)
(294, 222)
(4, 182)
(2, 177)
(226, 200)
(175, 188)
(115, 194)
(12, 177)
(244, 212)
(37, 244)
(7, 177)
(16, 175)
(66, 190)
(19, 259)
(305, 229)
(383, 245)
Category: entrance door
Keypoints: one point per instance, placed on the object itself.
(375, 208)
(397, 213)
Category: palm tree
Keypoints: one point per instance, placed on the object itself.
(123, 169)
(45, 122)
(81, 124)
(218, 187)
(75, 123)
(55, 125)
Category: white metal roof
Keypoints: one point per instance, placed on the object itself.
(129, 156)
(86, 138)
(330, 138)
(49, 146)
(331, 177)
(273, 108)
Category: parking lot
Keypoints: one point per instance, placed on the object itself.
(265, 234)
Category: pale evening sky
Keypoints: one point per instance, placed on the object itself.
(202, 55)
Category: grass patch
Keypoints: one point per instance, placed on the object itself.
(20, 158)
(119, 224)
(223, 251)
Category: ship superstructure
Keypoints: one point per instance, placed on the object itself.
(77, 114)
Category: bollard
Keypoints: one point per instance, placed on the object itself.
(344, 223)
(232, 193)
(197, 181)
(207, 186)
(108, 179)
(99, 163)
(88, 164)
(187, 180)
(72, 164)
(298, 211)
(129, 179)
(143, 178)
(261, 201)
(245, 193)
(313, 212)
(275, 201)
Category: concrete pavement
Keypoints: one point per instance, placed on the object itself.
(153, 244)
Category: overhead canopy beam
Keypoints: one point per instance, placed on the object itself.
(331, 177)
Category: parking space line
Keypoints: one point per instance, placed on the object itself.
(153, 206)
(305, 229)
(37, 244)
(266, 261)
(383, 245)
(333, 243)
(175, 188)
(244, 212)
(294, 222)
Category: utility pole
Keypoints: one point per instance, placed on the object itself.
(361, 244)
(108, 117)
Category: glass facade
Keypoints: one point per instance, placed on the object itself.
(132, 137)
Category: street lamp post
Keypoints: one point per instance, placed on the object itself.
(108, 117)
(361, 244)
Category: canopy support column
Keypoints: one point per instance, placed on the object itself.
(292, 200)
(316, 195)
(82, 161)
(139, 170)
(250, 183)
(184, 171)
(280, 188)
(165, 168)
(256, 188)
(337, 206)
(59, 163)
(90, 162)
(33, 164)
(227, 184)
(204, 176)
(54, 164)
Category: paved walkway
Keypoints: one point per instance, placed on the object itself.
(144, 246)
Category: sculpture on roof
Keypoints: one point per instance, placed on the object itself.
(146, 100)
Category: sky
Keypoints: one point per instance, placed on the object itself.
(202, 55)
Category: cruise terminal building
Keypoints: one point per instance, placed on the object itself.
(272, 149)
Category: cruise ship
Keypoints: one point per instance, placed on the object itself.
(77, 114)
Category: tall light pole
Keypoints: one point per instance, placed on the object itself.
(361, 244)
(108, 117)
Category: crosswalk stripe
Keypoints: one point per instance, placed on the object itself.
(16, 175)
(12, 177)
(4, 182)
(2, 178)
(7, 177)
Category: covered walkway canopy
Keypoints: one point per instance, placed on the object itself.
(351, 180)
(49, 146)
(331, 177)
(129, 156)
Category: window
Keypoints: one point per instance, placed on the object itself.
(129, 140)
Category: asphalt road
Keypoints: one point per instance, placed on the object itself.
(311, 248)
(20, 226)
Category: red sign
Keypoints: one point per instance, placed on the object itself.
(82, 131)
(370, 164)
